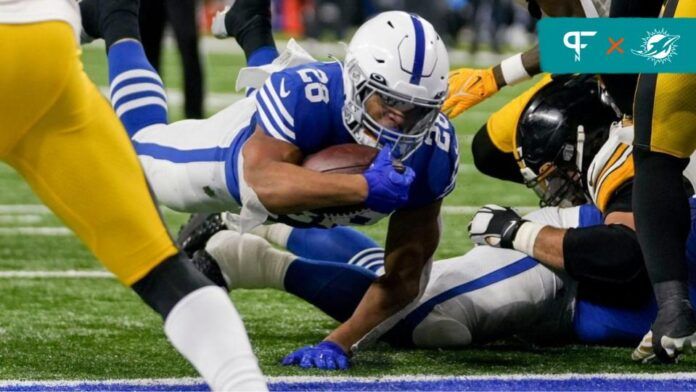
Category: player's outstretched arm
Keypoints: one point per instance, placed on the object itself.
(272, 169)
(604, 253)
(469, 86)
(411, 242)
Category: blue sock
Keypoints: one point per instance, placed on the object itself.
(340, 245)
(336, 289)
(262, 56)
(137, 92)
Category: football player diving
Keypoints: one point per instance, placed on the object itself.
(62, 136)
(386, 94)
(564, 133)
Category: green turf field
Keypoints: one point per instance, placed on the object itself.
(93, 328)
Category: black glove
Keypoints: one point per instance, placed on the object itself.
(495, 226)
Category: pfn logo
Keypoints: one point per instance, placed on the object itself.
(573, 40)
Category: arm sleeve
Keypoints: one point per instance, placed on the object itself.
(490, 161)
(603, 253)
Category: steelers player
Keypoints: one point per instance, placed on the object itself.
(60, 134)
(565, 149)
(470, 86)
(665, 125)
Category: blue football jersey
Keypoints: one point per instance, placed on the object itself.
(303, 106)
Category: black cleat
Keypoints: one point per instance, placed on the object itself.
(197, 231)
(240, 15)
(672, 333)
(674, 330)
(205, 263)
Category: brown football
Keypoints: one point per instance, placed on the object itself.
(341, 158)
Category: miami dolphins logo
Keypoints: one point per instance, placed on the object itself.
(659, 47)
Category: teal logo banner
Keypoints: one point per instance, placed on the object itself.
(617, 45)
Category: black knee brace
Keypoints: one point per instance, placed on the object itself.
(169, 282)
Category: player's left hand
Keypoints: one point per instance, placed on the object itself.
(495, 226)
(325, 355)
(467, 87)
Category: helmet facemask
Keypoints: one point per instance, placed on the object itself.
(419, 114)
(559, 182)
(556, 186)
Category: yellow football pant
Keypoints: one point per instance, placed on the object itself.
(665, 105)
(59, 133)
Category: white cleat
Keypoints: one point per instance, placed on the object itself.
(218, 26)
(676, 346)
(644, 352)
(248, 261)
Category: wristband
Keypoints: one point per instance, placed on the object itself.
(513, 70)
(526, 237)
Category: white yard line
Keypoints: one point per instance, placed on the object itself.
(77, 274)
(23, 209)
(20, 218)
(34, 211)
(36, 231)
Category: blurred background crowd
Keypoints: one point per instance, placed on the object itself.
(491, 24)
(469, 27)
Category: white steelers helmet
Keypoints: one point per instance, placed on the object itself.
(400, 57)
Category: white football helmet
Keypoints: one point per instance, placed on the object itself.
(400, 57)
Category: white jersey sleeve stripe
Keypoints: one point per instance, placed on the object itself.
(270, 128)
(273, 111)
(137, 103)
(268, 107)
(279, 104)
(136, 88)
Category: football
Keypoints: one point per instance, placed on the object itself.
(343, 158)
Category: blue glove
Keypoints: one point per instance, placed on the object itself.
(325, 355)
(387, 189)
